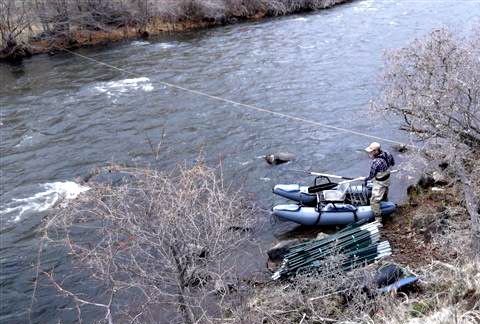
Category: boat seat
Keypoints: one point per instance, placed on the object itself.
(333, 195)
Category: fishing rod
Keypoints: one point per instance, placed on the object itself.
(334, 176)
(318, 174)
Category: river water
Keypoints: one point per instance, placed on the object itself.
(62, 116)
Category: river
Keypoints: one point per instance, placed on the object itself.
(62, 116)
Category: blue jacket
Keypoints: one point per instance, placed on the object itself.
(381, 163)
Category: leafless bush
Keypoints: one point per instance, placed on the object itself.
(15, 19)
(434, 86)
(156, 240)
(283, 7)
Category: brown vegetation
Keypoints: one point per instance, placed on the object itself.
(42, 25)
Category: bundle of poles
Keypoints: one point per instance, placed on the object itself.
(356, 245)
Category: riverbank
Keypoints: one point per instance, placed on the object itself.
(83, 27)
(429, 235)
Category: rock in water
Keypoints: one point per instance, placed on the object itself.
(279, 158)
(108, 176)
(400, 148)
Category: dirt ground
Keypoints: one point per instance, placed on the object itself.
(411, 230)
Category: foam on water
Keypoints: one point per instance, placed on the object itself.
(139, 43)
(367, 5)
(26, 139)
(164, 45)
(51, 194)
(127, 85)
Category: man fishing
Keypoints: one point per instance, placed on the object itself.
(379, 173)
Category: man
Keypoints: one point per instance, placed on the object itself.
(381, 163)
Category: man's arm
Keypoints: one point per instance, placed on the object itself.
(373, 171)
(392, 160)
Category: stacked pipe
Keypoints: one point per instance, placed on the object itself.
(356, 245)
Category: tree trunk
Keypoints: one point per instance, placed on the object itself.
(473, 207)
(188, 315)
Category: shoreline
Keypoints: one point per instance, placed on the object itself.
(84, 38)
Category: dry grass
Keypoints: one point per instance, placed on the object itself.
(450, 294)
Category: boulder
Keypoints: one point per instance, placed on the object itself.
(277, 252)
(321, 236)
(426, 181)
(439, 178)
(107, 176)
(400, 148)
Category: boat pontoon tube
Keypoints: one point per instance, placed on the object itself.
(331, 214)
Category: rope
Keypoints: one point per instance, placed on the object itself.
(239, 104)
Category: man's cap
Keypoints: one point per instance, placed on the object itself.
(372, 147)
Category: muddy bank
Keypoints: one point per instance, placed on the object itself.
(429, 236)
(65, 34)
(418, 229)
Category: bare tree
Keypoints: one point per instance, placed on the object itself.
(15, 19)
(158, 240)
(434, 85)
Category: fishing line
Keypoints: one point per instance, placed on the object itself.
(239, 104)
